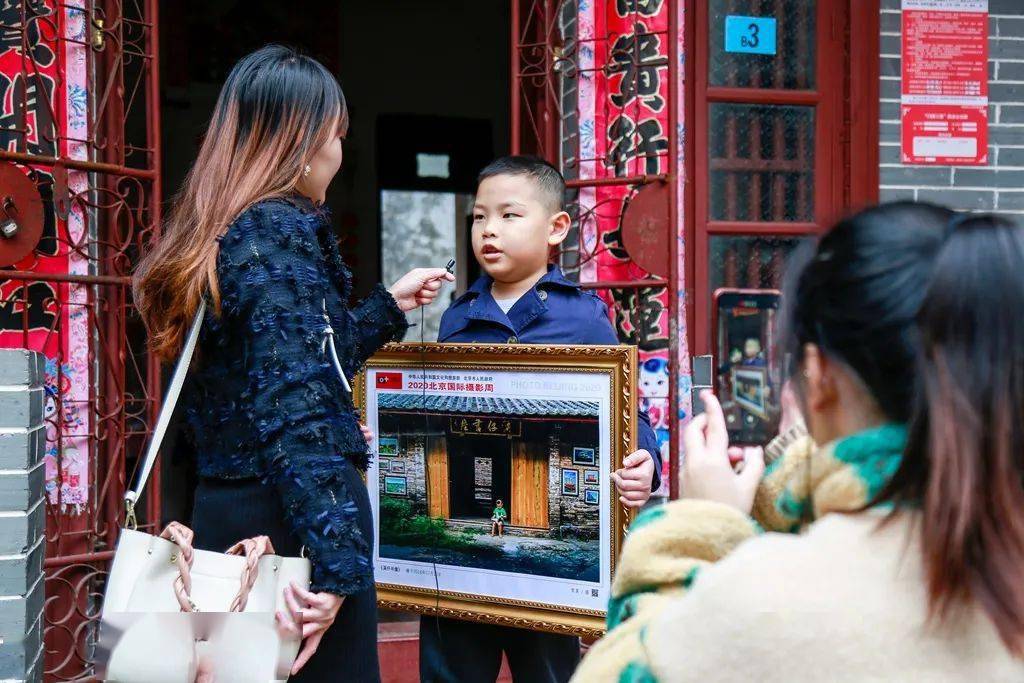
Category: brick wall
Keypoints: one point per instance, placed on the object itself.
(996, 187)
(569, 515)
(22, 521)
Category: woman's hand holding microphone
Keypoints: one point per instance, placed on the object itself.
(419, 287)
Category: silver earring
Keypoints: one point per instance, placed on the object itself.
(306, 171)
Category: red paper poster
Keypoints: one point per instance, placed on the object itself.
(944, 96)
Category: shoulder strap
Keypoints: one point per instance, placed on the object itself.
(167, 409)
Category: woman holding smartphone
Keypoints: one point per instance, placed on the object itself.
(276, 434)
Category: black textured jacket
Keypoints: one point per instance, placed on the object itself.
(266, 401)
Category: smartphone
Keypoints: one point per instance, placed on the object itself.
(746, 378)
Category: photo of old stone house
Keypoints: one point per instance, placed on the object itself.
(458, 456)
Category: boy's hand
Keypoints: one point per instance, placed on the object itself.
(367, 434)
(419, 287)
(633, 479)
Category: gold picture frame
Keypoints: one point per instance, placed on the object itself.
(407, 393)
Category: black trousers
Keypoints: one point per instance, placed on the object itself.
(453, 651)
(226, 511)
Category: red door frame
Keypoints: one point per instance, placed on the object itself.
(846, 127)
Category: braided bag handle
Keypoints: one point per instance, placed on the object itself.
(252, 548)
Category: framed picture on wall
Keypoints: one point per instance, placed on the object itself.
(570, 482)
(483, 424)
(396, 486)
(384, 464)
(387, 446)
(583, 456)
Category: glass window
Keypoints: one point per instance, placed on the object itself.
(761, 162)
(749, 262)
(791, 67)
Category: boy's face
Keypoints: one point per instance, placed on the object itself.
(514, 227)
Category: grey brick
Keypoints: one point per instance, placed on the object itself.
(889, 111)
(21, 408)
(1011, 71)
(890, 89)
(19, 656)
(968, 200)
(20, 613)
(21, 451)
(1011, 201)
(1011, 7)
(22, 490)
(888, 154)
(1010, 156)
(889, 45)
(889, 131)
(988, 177)
(1011, 27)
(1011, 113)
(1006, 92)
(1009, 134)
(890, 194)
(890, 22)
(1005, 49)
(992, 70)
(19, 532)
(891, 5)
(916, 176)
(19, 572)
(20, 367)
(890, 66)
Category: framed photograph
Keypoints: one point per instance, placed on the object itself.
(387, 446)
(395, 486)
(384, 464)
(397, 467)
(750, 390)
(570, 482)
(583, 456)
(485, 427)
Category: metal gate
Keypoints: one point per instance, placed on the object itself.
(79, 161)
(596, 91)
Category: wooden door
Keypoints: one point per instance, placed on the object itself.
(437, 477)
(529, 485)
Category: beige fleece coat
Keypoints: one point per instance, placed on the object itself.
(701, 595)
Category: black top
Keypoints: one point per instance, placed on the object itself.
(266, 401)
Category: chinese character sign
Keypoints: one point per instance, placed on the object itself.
(944, 97)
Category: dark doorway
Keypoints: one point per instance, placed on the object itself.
(480, 473)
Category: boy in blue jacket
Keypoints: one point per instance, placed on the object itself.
(517, 218)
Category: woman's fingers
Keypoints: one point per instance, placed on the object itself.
(716, 433)
(753, 467)
(293, 605)
(309, 648)
(693, 438)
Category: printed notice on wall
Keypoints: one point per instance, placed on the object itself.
(944, 95)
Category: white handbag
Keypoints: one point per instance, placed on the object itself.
(169, 609)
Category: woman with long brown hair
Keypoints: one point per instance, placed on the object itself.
(907, 337)
(276, 435)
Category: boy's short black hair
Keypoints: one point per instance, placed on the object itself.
(545, 176)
